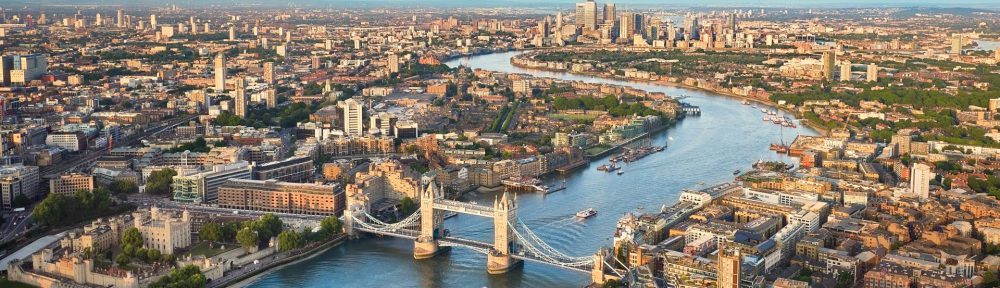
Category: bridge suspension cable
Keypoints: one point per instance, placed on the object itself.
(538, 248)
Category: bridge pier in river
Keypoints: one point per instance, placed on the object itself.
(498, 260)
(426, 245)
(513, 243)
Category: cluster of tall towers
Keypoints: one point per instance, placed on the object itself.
(624, 26)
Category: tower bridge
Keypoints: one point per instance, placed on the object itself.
(512, 243)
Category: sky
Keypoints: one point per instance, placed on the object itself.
(987, 4)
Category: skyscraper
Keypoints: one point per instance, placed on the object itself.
(232, 33)
(829, 62)
(120, 20)
(627, 26)
(269, 72)
(586, 15)
(543, 27)
(152, 21)
(241, 97)
(920, 178)
(609, 13)
(270, 98)
(845, 71)
(559, 23)
(872, 74)
(220, 72)
(393, 63)
(956, 44)
(729, 261)
(353, 112)
(731, 22)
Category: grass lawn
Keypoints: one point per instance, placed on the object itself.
(202, 248)
(11, 284)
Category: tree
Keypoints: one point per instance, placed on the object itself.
(159, 181)
(229, 231)
(406, 206)
(50, 211)
(990, 279)
(228, 119)
(289, 240)
(142, 254)
(268, 226)
(330, 226)
(153, 255)
(122, 260)
(133, 237)
(123, 187)
(211, 232)
(185, 277)
(247, 238)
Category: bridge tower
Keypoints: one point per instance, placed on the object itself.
(599, 273)
(505, 212)
(357, 206)
(426, 245)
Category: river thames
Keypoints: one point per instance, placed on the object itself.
(702, 149)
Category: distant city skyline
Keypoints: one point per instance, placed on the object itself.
(984, 4)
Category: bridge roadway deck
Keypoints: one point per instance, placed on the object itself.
(465, 208)
(481, 247)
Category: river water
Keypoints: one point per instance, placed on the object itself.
(702, 149)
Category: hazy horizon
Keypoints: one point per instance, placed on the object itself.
(982, 4)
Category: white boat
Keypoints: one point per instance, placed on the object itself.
(450, 214)
(590, 212)
(621, 171)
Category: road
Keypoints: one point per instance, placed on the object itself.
(15, 224)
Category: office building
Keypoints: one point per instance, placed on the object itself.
(17, 180)
(71, 141)
(220, 72)
(232, 33)
(282, 197)
(920, 178)
(203, 187)
(586, 15)
(294, 169)
(68, 184)
(609, 13)
(353, 112)
(18, 70)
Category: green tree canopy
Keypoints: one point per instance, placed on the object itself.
(132, 237)
(211, 232)
(247, 238)
(289, 240)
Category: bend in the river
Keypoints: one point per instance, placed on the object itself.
(702, 149)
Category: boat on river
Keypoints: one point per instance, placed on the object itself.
(584, 214)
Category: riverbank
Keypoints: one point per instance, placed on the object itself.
(662, 82)
(293, 257)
